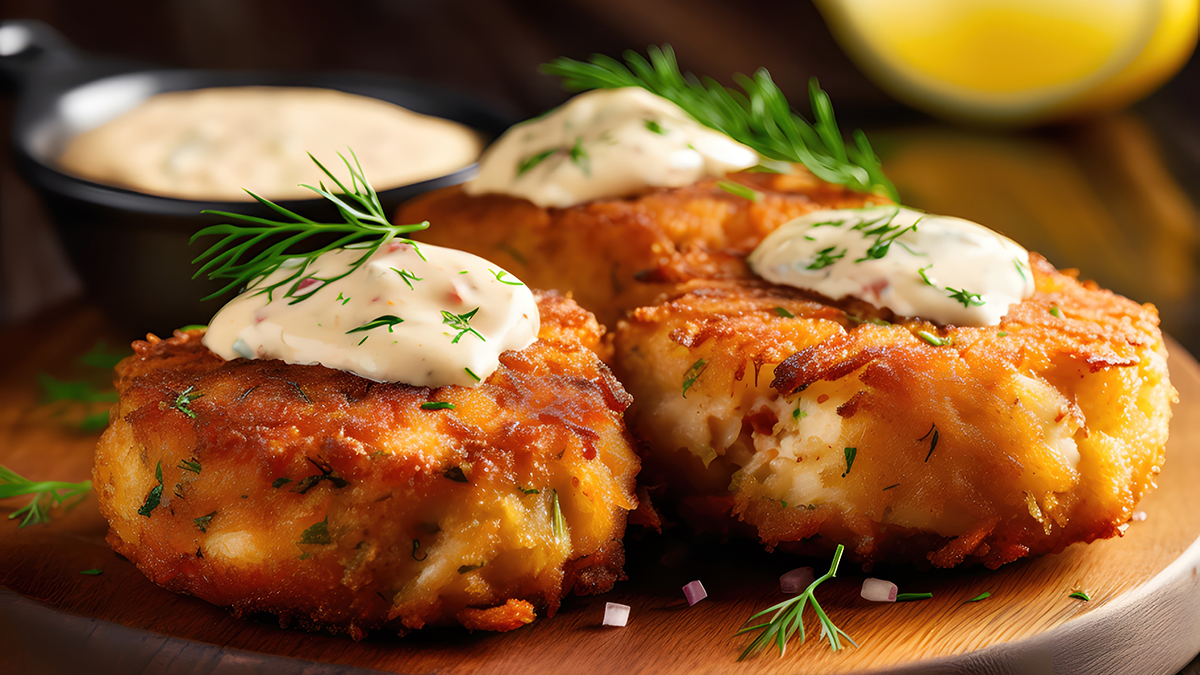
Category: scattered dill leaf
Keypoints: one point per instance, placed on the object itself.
(788, 618)
(203, 521)
(739, 190)
(46, 495)
(154, 496)
(693, 374)
(317, 533)
(183, 402)
(851, 453)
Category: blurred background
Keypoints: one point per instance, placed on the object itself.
(1065, 162)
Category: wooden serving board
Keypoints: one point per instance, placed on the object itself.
(1144, 616)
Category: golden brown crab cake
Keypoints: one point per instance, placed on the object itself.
(348, 504)
(801, 418)
(613, 255)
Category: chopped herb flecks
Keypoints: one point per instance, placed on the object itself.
(557, 523)
(532, 161)
(932, 442)
(909, 597)
(461, 323)
(317, 533)
(378, 322)
(1080, 595)
(933, 339)
(472, 374)
(781, 311)
(925, 277)
(739, 190)
(343, 298)
(155, 494)
(826, 257)
(693, 374)
(529, 491)
(966, 298)
(184, 401)
(655, 127)
(500, 277)
(1055, 311)
(92, 572)
(1021, 265)
(437, 405)
(192, 465)
(851, 453)
(203, 521)
(407, 277)
(982, 596)
(579, 157)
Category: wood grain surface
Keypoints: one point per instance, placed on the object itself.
(1144, 616)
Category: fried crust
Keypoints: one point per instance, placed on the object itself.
(337, 502)
(802, 418)
(613, 255)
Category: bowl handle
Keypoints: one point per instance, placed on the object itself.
(27, 46)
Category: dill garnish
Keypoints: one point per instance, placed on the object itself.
(46, 495)
(789, 618)
(462, 324)
(365, 224)
(759, 116)
(693, 374)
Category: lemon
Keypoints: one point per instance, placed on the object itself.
(1016, 61)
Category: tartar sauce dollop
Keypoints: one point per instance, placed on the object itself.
(606, 143)
(423, 315)
(945, 269)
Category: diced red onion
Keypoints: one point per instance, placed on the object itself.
(615, 614)
(878, 590)
(797, 580)
(694, 592)
(1138, 516)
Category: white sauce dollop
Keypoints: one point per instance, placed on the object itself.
(459, 312)
(948, 270)
(606, 143)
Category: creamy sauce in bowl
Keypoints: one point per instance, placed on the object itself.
(423, 315)
(606, 143)
(948, 270)
(206, 144)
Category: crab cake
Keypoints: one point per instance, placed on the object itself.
(613, 255)
(342, 503)
(811, 423)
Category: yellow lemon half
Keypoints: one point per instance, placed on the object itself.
(1015, 61)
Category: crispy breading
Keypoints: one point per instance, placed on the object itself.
(616, 254)
(802, 417)
(338, 502)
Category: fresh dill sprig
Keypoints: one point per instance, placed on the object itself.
(789, 618)
(758, 116)
(46, 495)
(366, 228)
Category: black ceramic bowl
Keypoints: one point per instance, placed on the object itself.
(131, 249)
